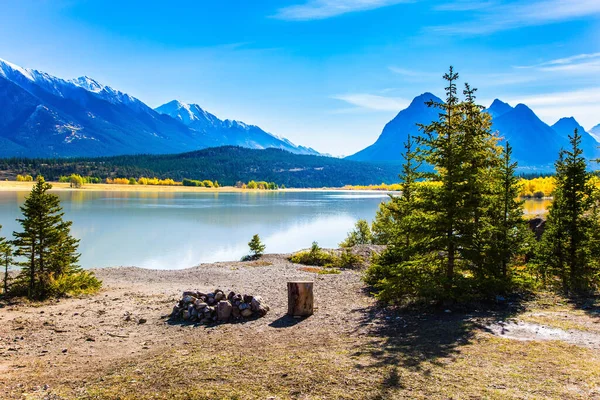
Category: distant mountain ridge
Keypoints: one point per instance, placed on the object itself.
(595, 132)
(535, 144)
(228, 132)
(45, 116)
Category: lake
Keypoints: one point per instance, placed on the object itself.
(179, 230)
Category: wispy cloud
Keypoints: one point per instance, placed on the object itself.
(465, 5)
(587, 63)
(583, 104)
(498, 16)
(411, 73)
(374, 102)
(322, 9)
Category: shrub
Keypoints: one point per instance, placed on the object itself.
(24, 178)
(360, 235)
(349, 260)
(314, 256)
(538, 195)
(82, 282)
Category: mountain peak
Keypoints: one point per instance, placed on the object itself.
(498, 108)
(567, 125)
(523, 110)
(87, 83)
(421, 99)
(7, 68)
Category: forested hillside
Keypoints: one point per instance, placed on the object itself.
(227, 165)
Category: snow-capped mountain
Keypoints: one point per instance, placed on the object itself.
(228, 131)
(45, 116)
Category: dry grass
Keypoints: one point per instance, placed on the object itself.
(450, 360)
(349, 349)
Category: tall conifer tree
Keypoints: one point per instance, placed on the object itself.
(45, 242)
(565, 250)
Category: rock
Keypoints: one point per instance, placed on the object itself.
(224, 309)
(255, 303)
(537, 225)
(215, 306)
(142, 321)
(246, 313)
(262, 311)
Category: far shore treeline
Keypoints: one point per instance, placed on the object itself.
(227, 165)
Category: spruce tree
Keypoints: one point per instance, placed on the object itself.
(442, 148)
(6, 261)
(405, 269)
(46, 243)
(481, 161)
(511, 236)
(453, 233)
(256, 246)
(565, 249)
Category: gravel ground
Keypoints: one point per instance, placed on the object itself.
(79, 337)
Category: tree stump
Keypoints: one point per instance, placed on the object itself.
(300, 298)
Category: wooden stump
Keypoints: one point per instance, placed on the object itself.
(300, 298)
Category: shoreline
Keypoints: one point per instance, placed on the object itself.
(13, 186)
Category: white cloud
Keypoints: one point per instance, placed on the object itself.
(374, 102)
(411, 73)
(582, 104)
(509, 15)
(322, 9)
(587, 63)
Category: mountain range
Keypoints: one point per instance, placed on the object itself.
(45, 116)
(535, 143)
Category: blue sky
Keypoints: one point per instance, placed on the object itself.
(323, 73)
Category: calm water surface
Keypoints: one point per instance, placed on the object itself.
(179, 230)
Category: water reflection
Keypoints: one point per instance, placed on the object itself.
(178, 230)
(536, 206)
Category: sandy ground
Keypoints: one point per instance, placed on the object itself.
(76, 338)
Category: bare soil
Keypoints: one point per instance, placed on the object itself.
(119, 344)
